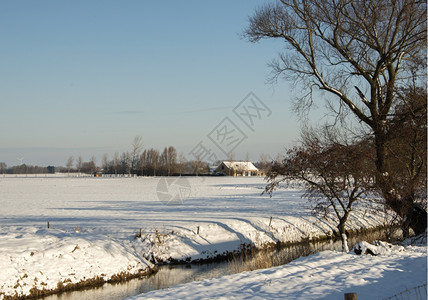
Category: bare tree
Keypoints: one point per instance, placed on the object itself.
(69, 163)
(143, 163)
(137, 146)
(3, 167)
(163, 162)
(264, 162)
(79, 163)
(181, 163)
(198, 165)
(92, 165)
(105, 163)
(335, 175)
(171, 160)
(125, 163)
(116, 162)
(168, 160)
(150, 159)
(154, 159)
(358, 52)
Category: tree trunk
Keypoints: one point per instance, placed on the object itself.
(345, 247)
(343, 235)
(416, 219)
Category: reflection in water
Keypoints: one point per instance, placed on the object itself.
(168, 276)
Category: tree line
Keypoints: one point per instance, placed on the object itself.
(25, 169)
(139, 162)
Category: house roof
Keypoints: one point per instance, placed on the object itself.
(240, 165)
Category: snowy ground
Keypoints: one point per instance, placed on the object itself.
(93, 224)
(326, 275)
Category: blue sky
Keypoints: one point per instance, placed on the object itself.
(86, 77)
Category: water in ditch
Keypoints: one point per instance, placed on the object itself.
(170, 275)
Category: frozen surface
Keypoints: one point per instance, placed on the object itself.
(95, 223)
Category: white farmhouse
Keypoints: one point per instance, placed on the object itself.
(237, 168)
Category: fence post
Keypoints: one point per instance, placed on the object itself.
(351, 296)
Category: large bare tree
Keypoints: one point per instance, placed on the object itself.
(360, 53)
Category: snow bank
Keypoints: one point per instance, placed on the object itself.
(34, 261)
(325, 275)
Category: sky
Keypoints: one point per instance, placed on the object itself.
(86, 77)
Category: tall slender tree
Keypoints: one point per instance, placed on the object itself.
(79, 163)
(171, 160)
(136, 147)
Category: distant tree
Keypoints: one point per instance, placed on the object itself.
(89, 167)
(335, 175)
(69, 163)
(153, 160)
(79, 163)
(150, 160)
(125, 163)
(143, 163)
(21, 169)
(171, 160)
(115, 162)
(137, 146)
(3, 167)
(359, 53)
(93, 164)
(264, 162)
(105, 163)
(198, 165)
(163, 162)
(181, 163)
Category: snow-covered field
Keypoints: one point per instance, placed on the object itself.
(95, 225)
